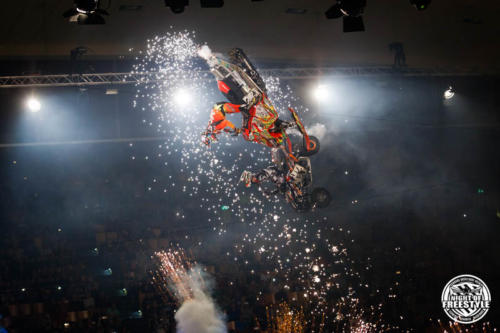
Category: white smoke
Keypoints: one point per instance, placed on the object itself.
(318, 130)
(199, 314)
(205, 52)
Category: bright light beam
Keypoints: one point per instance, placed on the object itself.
(448, 94)
(182, 97)
(33, 104)
(321, 93)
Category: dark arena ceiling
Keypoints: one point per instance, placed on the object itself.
(450, 33)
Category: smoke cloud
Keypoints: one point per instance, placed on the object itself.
(318, 130)
(205, 52)
(199, 313)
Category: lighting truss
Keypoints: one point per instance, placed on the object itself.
(297, 73)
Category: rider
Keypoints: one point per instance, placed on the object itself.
(291, 183)
(219, 123)
(251, 131)
(250, 101)
(276, 173)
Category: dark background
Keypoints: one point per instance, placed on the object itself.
(419, 204)
(415, 164)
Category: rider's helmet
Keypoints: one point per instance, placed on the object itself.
(218, 114)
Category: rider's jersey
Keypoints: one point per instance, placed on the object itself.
(258, 121)
(261, 118)
(218, 120)
(257, 111)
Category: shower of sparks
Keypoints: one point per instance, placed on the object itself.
(310, 257)
(454, 327)
(283, 319)
(172, 274)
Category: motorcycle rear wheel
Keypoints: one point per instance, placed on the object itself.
(313, 146)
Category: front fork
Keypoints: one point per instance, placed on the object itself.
(310, 145)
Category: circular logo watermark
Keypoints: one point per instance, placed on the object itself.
(466, 299)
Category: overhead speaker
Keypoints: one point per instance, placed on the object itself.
(177, 6)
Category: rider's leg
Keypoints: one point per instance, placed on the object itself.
(226, 124)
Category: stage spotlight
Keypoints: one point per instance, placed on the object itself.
(182, 97)
(420, 4)
(111, 91)
(177, 6)
(449, 93)
(350, 11)
(33, 104)
(211, 3)
(320, 93)
(86, 12)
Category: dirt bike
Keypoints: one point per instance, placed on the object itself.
(295, 185)
(299, 191)
(240, 82)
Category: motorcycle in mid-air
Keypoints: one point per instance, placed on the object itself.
(241, 84)
(295, 185)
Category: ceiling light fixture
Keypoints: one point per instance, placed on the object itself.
(86, 12)
(420, 4)
(351, 12)
(177, 6)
